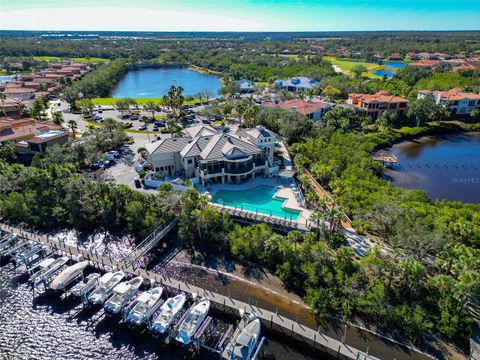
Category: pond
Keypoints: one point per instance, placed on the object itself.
(447, 167)
(5, 78)
(395, 64)
(155, 82)
(388, 73)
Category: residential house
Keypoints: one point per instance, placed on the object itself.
(211, 156)
(246, 86)
(376, 104)
(395, 57)
(312, 110)
(297, 84)
(11, 107)
(464, 67)
(30, 136)
(455, 100)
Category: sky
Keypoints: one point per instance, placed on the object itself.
(239, 15)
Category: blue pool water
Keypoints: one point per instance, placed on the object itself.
(259, 199)
(381, 73)
(154, 83)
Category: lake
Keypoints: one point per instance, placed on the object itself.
(447, 167)
(382, 73)
(155, 82)
(395, 64)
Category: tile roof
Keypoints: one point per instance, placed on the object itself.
(300, 106)
(380, 96)
(453, 94)
(167, 145)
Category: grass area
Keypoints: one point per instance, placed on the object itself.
(79, 59)
(204, 71)
(140, 101)
(348, 65)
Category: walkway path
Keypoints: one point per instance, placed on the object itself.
(273, 320)
(360, 244)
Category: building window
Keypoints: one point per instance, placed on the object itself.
(161, 169)
(189, 161)
(157, 169)
(471, 103)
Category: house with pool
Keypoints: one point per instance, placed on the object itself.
(207, 155)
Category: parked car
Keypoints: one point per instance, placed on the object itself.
(115, 153)
(134, 117)
(138, 183)
(127, 125)
(139, 166)
(97, 118)
(160, 123)
(206, 121)
(100, 111)
(142, 127)
(126, 116)
(155, 128)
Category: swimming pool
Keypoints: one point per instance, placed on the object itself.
(259, 199)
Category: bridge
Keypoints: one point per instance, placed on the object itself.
(269, 319)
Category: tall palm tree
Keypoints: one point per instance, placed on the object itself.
(57, 118)
(2, 99)
(72, 125)
(240, 110)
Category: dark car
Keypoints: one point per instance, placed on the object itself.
(138, 183)
(208, 122)
(160, 123)
(126, 116)
(134, 117)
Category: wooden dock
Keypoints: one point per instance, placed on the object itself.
(386, 158)
(269, 319)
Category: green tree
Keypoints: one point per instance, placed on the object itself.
(331, 92)
(72, 125)
(358, 70)
(57, 118)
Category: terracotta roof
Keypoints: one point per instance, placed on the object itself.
(13, 130)
(464, 67)
(300, 106)
(455, 94)
(381, 96)
(425, 63)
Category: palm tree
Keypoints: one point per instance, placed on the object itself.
(250, 112)
(91, 127)
(240, 110)
(2, 99)
(72, 125)
(57, 118)
(152, 108)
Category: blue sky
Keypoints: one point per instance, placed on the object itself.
(240, 15)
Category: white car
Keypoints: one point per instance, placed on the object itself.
(139, 166)
(97, 118)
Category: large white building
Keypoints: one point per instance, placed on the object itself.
(456, 101)
(297, 84)
(212, 156)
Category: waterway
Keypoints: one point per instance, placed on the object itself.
(155, 82)
(446, 167)
(38, 326)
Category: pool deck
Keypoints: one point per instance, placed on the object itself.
(283, 192)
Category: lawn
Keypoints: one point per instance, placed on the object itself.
(140, 101)
(80, 59)
(347, 66)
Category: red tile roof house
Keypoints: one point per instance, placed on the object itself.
(464, 67)
(312, 110)
(395, 57)
(429, 64)
(19, 93)
(456, 101)
(378, 103)
(30, 136)
(11, 107)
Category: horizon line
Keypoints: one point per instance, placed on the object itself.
(246, 31)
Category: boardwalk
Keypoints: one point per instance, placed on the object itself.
(360, 244)
(268, 318)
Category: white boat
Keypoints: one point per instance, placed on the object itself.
(105, 287)
(195, 317)
(40, 266)
(68, 275)
(246, 341)
(145, 305)
(84, 286)
(168, 312)
(44, 273)
(122, 294)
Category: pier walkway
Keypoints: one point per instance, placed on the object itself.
(269, 319)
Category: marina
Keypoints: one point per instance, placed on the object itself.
(272, 321)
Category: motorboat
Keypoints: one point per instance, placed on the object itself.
(246, 341)
(122, 294)
(28, 255)
(7, 241)
(105, 287)
(145, 305)
(68, 275)
(86, 285)
(44, 273)
(40, 266)
(195, 317)
(168, 311)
